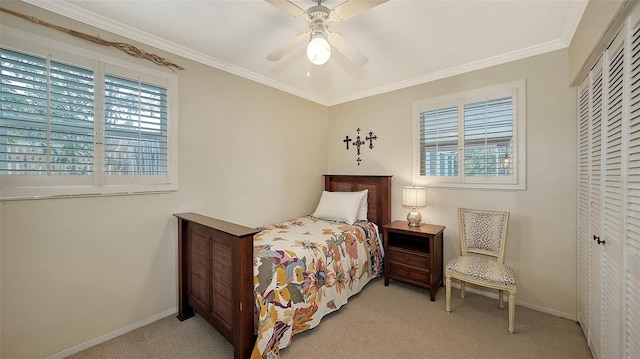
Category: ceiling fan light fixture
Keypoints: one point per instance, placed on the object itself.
(318, 50)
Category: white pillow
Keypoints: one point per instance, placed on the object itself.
(339, 206)
(364, 206)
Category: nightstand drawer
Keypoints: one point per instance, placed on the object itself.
(408, 258)
(411, 274)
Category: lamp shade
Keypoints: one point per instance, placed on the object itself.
(318, 50)
(414, 196)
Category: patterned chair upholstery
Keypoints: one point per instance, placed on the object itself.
(482, 241)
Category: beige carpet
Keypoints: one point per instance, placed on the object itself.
(397, 321)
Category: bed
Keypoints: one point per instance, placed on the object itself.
(259, 287)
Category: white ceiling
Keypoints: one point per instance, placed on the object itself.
(408, 42)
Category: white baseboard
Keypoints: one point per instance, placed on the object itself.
(113, 334)
(153, 318)
(539, 308)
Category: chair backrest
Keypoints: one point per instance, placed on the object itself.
(483, 232)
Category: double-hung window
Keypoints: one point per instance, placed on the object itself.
(474, 139)
(75, 124)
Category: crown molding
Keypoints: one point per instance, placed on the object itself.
(457, 70)
(72, 11)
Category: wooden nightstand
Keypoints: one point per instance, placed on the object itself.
(413, 254)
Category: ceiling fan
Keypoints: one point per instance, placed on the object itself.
(319, 37)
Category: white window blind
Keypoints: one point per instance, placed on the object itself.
(474, 139)
(102, 127)
(488, 132)
(439, 141)
(46, 123)
(135, 128)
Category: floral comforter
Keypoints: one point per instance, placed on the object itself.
(304, 269)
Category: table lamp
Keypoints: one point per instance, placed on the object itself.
(414, 197)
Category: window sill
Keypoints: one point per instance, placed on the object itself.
(87, 194)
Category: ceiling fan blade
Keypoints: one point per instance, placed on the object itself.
(353, 7)
(278, 53)
(288, 7)
(347, 49)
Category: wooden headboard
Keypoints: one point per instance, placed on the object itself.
(379, 196)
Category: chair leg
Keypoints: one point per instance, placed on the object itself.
(500, 299)
(448, 294)
(512, 312)
(462, 285)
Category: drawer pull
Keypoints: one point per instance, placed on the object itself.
(407, 258)
(407, 273)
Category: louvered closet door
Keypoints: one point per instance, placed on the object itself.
(595, 214)
(613, 115)
(632, 204)
(583, 242)
(612, 201)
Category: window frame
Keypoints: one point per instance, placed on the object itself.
(21, 187)
(517, 181)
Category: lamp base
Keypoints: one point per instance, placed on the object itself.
(414, 218)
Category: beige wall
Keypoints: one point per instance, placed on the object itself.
(542, 236)
(595, 21)
(76, 269)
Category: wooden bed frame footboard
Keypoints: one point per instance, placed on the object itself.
(215, 279)
(215, 263)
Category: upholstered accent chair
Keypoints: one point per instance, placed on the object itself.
(482, 237)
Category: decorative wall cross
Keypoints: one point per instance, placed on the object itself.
(359, 142)
(370, 138)
(347, 140)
